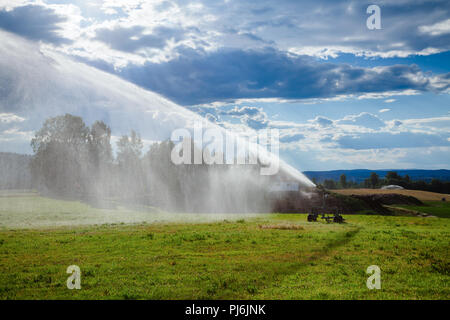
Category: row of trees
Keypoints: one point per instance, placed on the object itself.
(391, 178)
(14, 171)
(76, 161)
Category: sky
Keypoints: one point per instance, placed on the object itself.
(343, 96)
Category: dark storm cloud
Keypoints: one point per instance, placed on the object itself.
(195, 78)
(33, 22)
(328, 23)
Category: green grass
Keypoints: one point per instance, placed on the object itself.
(436, 208)
(262, 257)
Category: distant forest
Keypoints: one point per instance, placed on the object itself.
(374, 181)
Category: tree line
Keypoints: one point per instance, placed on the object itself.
(73, 160)
(391, 178)
(14, 171)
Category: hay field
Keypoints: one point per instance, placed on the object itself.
(421, 195)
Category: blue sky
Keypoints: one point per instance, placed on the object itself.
(342, 96)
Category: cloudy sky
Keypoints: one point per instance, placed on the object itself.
(342, 96)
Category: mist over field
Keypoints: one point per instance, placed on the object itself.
(73, 159)
(29, 211)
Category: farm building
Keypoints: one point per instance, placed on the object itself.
(392, 187)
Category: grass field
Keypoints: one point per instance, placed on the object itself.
(421, 195)
(435, 208)
(274, 256)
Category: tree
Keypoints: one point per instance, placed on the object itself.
(129, 148)
(329, 184)
(163, 176)
(437, 185)
(59, 164)
(419, 185)
(132, 185)
(392, 177)
(100, 143)
(343, 181)
(67, 129)
(374, 180)
(100, 161)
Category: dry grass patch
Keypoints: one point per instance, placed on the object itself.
(421, 195)
(282, 226)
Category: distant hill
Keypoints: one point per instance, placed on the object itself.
(360, 175)
(15, 171)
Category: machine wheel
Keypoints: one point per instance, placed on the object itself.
(338, 219)
(311, 218)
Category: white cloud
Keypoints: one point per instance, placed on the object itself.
(322, 121)
(437, 29)
(384, 110)
(10, 117)
(312, 31)
(382, 95)
(364, 119)
(425, 125)
(15, 134)
(375, 159)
